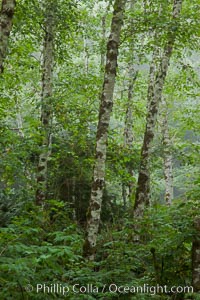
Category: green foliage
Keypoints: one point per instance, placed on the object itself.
(162, 256)
(44, 245)
(32, 251)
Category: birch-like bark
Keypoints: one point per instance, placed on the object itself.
(154, 97)
(128, 129)
(94, 211)
(142, 191)
(46, 103)
(128, 133)
(167, 156)
(196, 257)
(103, 39)
(6, 18)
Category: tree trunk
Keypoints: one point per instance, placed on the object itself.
(127, 187)
(46, 103)
(167, 156)
(196, 257)
(142, 190)
(94, 211)
(103, 22)
(128, 134)
(6, 18)
(155, 88)
(103, 39)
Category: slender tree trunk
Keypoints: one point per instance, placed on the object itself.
(167, 156)
(142, 190)
(154, 97)
(103, 22)
(6, 18)
(46, 103)
(94, 211)
(196, 257)
(128, 134)
(127, 186)
(128, 130)
(103, 39)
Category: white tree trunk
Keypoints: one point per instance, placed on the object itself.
(94, 211)
(103, 39)
(153, 99)
(167, 156)
(127, 187)
(46, 105)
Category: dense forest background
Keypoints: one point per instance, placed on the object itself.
(99, 149)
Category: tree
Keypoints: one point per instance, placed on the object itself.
(6, 20)
(155, 88)
(94, 211)
(46, 101)
(167, 156)
(127, 188)
(45, 245)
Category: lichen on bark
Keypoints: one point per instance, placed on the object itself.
(94, 211)
(156, 84)
(46, 106)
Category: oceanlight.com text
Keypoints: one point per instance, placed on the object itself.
(65, 289)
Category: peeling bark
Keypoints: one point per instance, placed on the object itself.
(94, 211)
(153, 99)
(6, 18)
(167, 156)
(46, 106)
(196, 257)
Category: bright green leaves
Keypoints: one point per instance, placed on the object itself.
(31, 254)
